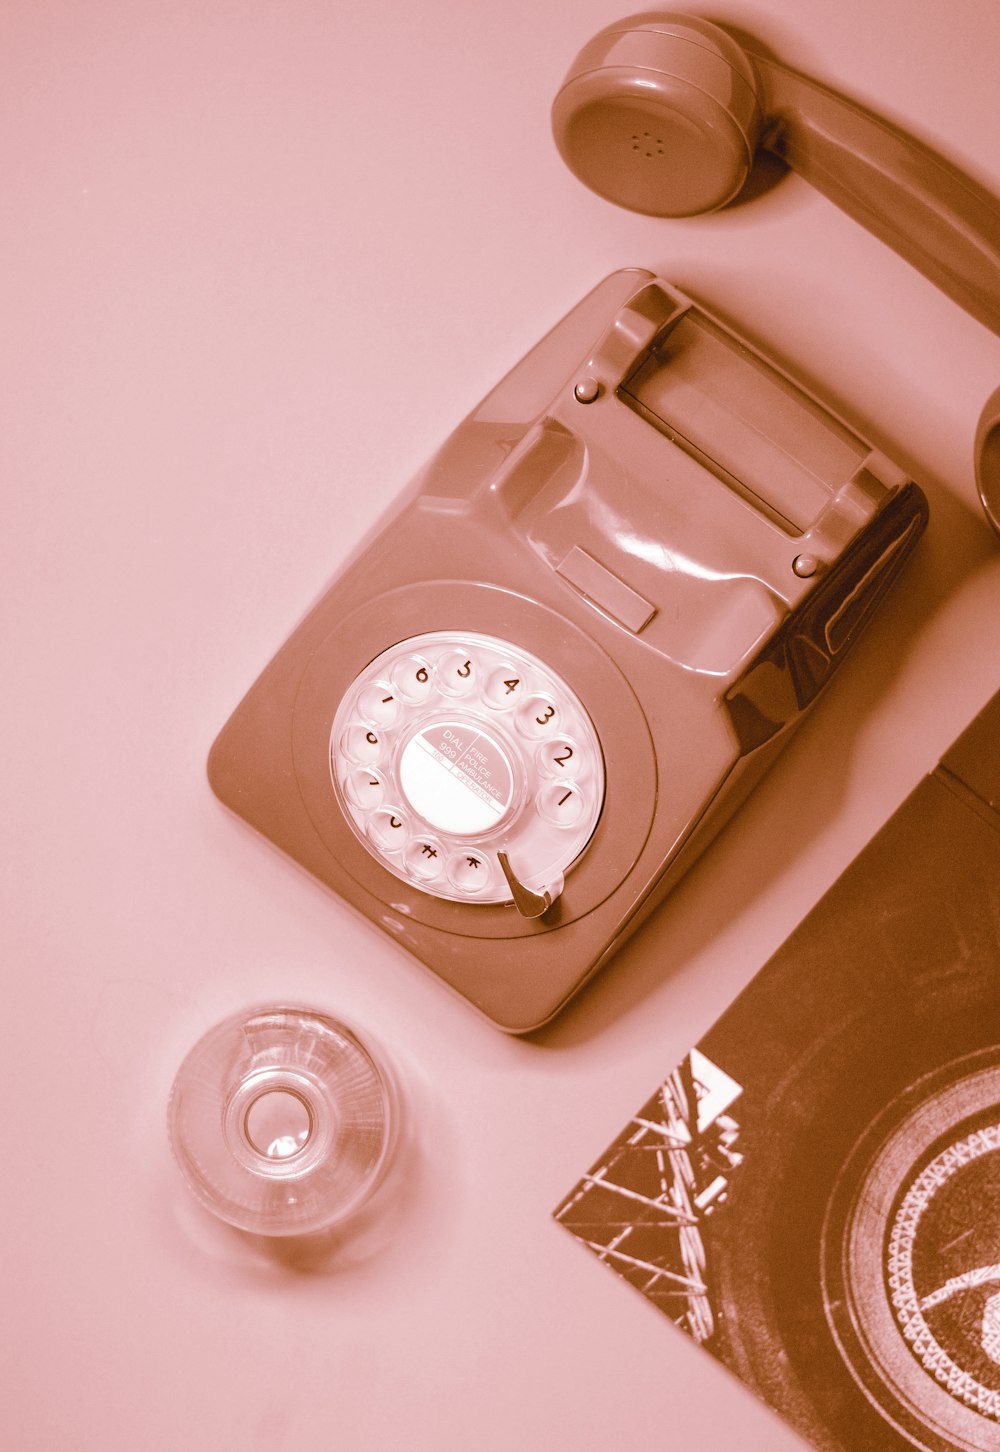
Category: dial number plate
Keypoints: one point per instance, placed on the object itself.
(451, 747)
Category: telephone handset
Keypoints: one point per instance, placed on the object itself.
(555, 669)
(662, 113)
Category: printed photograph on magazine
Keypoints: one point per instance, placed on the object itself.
(813, 1194)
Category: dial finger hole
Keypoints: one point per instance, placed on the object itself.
(503, 687)
(457, 672)
(538, 716)
(425, 859)
(387, 829)
(469, 872)
(561, 803)
(362, 744)
(364, 788)
(558, 757)
(413, 678)
(379, 704)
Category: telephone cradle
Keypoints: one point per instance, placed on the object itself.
(566, 655)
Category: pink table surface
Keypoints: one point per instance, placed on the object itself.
(257, 260)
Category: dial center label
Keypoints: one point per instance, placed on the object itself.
(457, 777)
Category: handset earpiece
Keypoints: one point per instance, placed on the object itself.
(662, 113)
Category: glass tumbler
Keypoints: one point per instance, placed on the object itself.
(282, 1121)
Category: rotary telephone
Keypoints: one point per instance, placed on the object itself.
(571, 649)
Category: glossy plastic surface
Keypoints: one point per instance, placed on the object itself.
(662, 112)
(924, 208)
(681, 539)
(986, 456)
(455, 754)
(660, 116)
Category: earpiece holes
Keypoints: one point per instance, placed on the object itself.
(647, 139)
